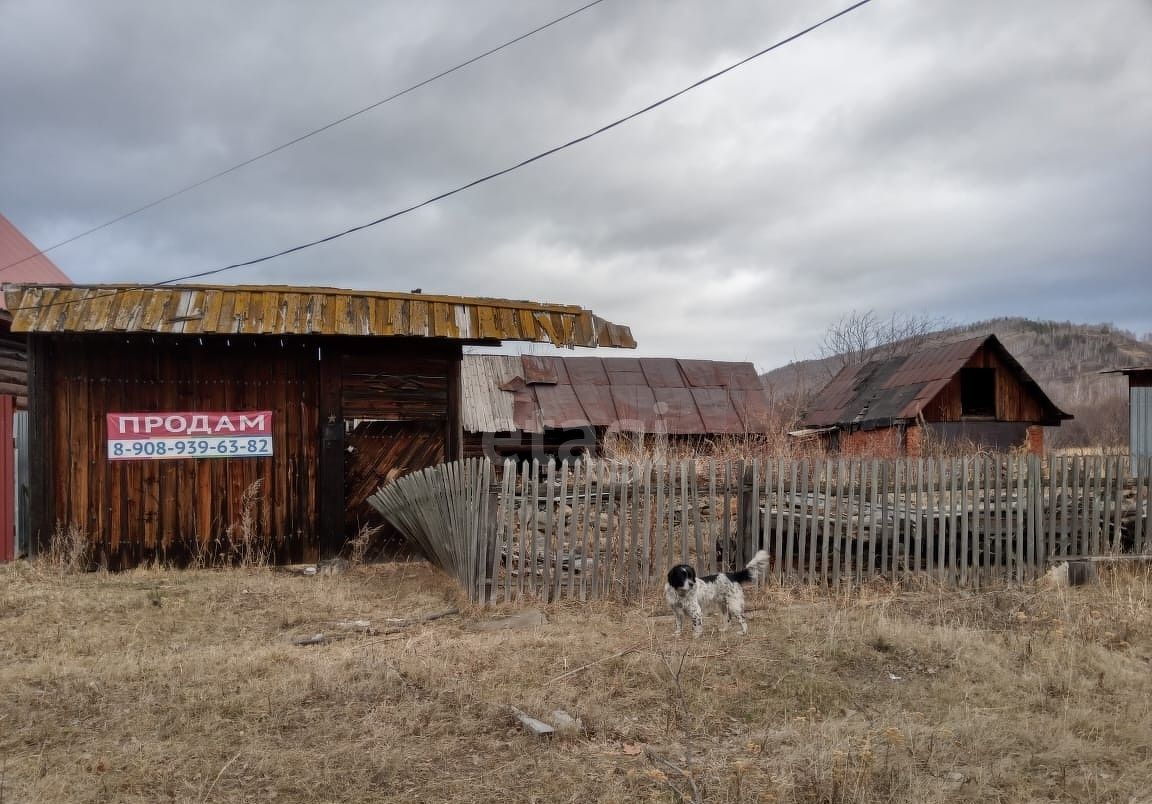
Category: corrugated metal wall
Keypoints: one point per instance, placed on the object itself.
(1140, 402)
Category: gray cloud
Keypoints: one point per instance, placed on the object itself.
(960, 160)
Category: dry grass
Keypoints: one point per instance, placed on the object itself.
(185, 686)
(69, 550)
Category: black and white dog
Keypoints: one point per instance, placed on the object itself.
(687, 594)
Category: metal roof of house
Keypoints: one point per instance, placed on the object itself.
(1128, 369)
(680, 397)
(881, 392)
(21, 261)
(282, 310)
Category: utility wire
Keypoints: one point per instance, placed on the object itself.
(504, 171)
(518, 165)
(303, 137)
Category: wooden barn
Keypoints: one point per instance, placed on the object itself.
(534, 406)
(154, 410)
(970, 392)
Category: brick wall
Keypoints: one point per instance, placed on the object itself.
(887, 442)
(1034, 441)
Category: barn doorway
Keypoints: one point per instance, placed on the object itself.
(394, 418)
(377, 451)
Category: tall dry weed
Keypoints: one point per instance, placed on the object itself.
(360, 544)
(69, 550)
(247, 546)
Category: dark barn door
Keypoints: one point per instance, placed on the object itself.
(395, 412)
(378, 451)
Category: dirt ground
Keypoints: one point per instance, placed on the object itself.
(153, 685)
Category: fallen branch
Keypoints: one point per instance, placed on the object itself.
(656, 759)
(617, 655)
(404, 623)
(400, 625)
(218, 775)
(393, 635)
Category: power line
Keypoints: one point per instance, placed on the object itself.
(303, 137)
(524, 163)
(497, 174)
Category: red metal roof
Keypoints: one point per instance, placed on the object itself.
(20, 260)
(882, 392)
(678, 397)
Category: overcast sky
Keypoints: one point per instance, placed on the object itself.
(963, 159)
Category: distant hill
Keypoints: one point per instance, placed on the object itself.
(1065, 358)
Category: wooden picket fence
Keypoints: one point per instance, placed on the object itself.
(599, 529)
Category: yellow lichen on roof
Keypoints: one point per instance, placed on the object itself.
(284, 310)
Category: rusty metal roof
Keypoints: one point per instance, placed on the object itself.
(20, 260)
(881, 392)
(679, 397)
(282, 310)
(1128, 369)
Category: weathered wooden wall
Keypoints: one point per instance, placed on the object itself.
(1014, 403)
(175, 509)
(14, 366)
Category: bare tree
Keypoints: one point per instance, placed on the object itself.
(861, 336)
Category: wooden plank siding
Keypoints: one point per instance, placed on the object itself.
(1014, 402)
(186, 509)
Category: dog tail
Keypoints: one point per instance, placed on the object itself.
(752, 572)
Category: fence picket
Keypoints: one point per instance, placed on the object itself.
(1050, 507)
(779, 535)
(853, 544)
(813, 539)
(789, 546)
(1139, 498)
(705, 555)
(802, 526)
(826, 525)
(764, 520)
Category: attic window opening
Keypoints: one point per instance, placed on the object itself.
(978, 392)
